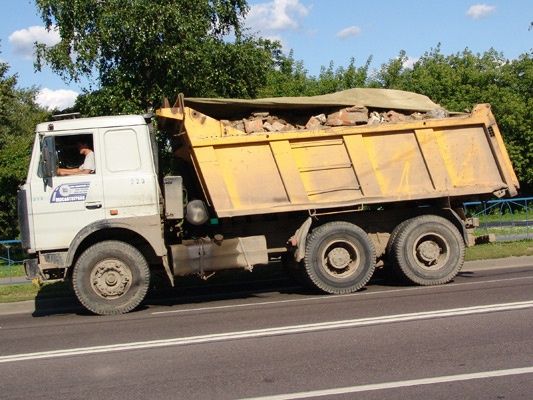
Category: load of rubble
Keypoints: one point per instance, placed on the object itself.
(356, 106)
(265, 121)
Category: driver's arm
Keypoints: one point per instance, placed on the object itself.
(72, 171)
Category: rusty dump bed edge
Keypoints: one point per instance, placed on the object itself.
(245, 174)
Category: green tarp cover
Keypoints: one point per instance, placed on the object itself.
(369, 97)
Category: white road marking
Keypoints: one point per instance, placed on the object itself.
(266, 332)
(397, 384)
(332, 297)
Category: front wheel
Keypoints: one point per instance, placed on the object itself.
(339, 257)
(111, 277)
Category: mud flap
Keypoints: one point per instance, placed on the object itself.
(299, 239)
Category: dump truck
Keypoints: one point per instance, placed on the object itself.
(333, 203)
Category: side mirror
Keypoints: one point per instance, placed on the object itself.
(48, 159)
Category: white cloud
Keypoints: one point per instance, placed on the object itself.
(274, 38)
(478, 11)
(278, 38)
(410, 62)
(276, 15)
(23, 40)
(351, 31)
(56, 99)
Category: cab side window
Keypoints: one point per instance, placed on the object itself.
(75, 154)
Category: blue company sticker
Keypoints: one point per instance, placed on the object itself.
(69, 192)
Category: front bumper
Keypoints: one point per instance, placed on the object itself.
(47, 266)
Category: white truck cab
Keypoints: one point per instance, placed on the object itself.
(63, 216)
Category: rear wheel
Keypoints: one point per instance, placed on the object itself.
(428, 250)
(394, 234)
(339, 258)
(391, 269)
(111, 277)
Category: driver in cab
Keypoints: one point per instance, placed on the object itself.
(88, 166)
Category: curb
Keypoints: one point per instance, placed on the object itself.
(498, 263)
(68, 305)
(17, 280)
(46, 306)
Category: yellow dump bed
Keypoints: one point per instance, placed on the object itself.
(245, 174)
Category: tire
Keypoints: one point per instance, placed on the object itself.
(428, 250)
(110, 278)
(392, 270)
(392, 238)
(339, 258)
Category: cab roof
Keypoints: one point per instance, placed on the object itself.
(91, 123)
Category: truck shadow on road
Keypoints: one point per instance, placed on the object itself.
(59, 298)
(56, 298)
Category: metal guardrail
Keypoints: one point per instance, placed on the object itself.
(11, 256)
(507, 219)
(7, 254)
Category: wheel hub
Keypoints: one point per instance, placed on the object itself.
(339, 258)
(428, 251)
(111, 278)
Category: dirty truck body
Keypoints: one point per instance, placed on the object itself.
(333, 204)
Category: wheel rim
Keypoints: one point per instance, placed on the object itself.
(340, 258)
(431, 251)
(111, 278)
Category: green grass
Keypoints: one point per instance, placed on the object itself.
(499, 250)
(506, 216)
(29, 291)
(11, 270)
(505, 230)
(12, 293)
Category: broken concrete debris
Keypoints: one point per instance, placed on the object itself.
(262, 121)
(276, 126)
(438, 113)
(253, 125)
(393, 117)
(348, 117)
(262, 114)
(375, 118)
(316, 121)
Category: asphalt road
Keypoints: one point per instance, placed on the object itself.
(471, 339)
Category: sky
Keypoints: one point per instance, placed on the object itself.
(317, 31)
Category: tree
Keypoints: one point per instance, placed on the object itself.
(332, 80)
(18, 116)
(390, 75)
(136, 51)
(290, 78)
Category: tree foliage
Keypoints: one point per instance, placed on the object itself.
(136, 51)
(18, 116)
(290, 78)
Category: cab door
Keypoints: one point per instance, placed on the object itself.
(63, 205)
